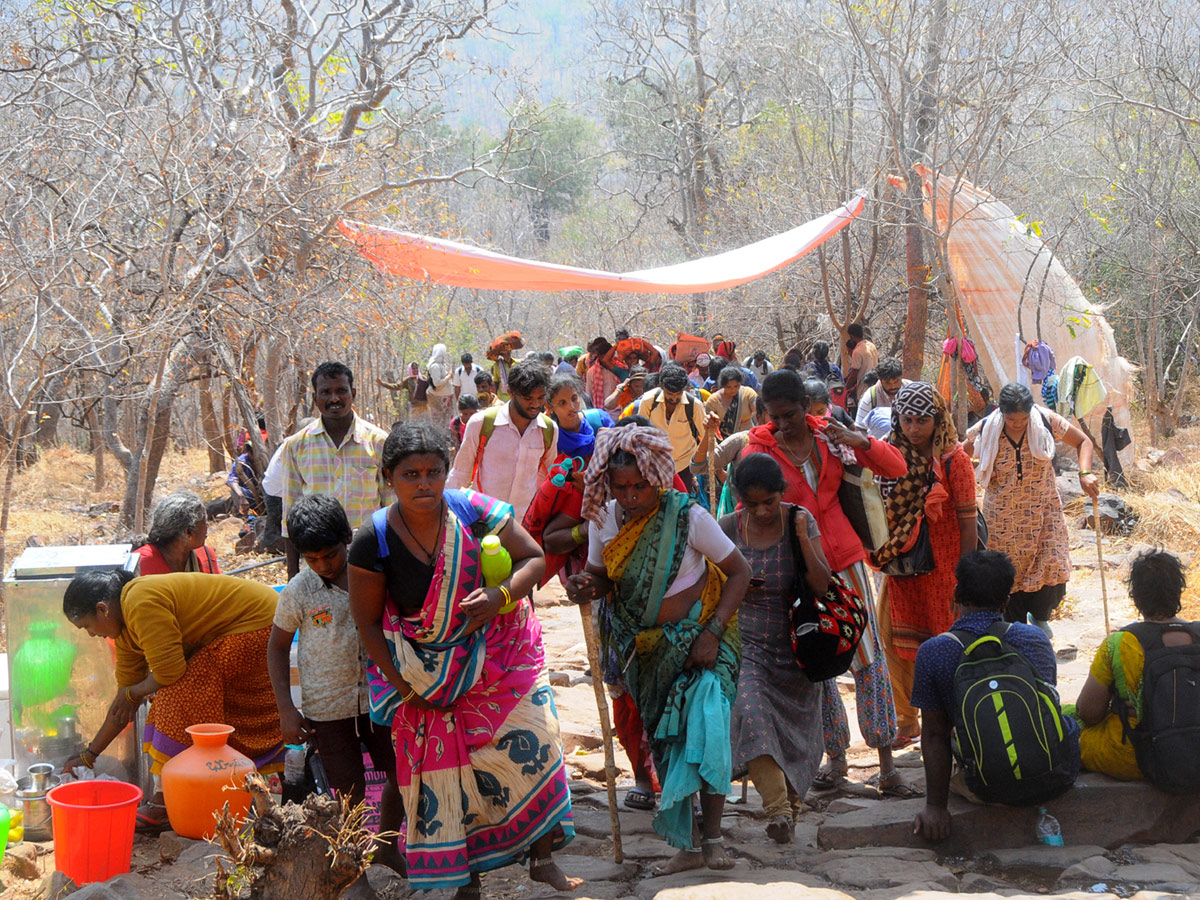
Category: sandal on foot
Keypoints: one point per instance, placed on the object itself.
(639, 798)
(150, 817)
(779, 829)
(906, 740)
(830, 776)
(894, 786)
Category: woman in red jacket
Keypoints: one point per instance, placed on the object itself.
(811, 452)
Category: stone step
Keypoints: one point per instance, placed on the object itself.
(1097, 810)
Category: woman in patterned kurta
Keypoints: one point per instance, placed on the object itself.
(775, 726)
(938, 490)
(1022, 507)
(458, 672)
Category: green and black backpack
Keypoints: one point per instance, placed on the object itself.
(1008, 725)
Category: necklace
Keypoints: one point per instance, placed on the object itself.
(429, 553)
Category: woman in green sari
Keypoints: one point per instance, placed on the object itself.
(676, 582)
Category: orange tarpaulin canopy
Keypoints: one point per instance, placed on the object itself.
(449, 262)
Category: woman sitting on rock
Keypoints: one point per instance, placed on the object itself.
(1114, 684)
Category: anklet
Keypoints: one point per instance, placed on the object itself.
(542, 863)
(708, 842)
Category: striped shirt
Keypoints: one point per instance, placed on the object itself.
(350, 473)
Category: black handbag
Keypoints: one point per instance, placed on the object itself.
(916, 560)
(825, 631)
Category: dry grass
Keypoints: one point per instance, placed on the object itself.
(1166, 498)
(51, 498)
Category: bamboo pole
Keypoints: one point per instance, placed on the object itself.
(610, 765)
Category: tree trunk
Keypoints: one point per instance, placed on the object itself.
(97, 436)
(312, 851)
(208, 421)
(917, 322)
(271, 379)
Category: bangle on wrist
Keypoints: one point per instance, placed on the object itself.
(509, 603)
(1083, 472)
(129, 695)
(577, 536)
(714, 625)
(412, 692)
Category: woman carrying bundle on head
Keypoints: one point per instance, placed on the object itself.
(676, 581)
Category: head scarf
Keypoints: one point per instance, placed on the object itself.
(921, 491)
(655, 459)
(439, 356)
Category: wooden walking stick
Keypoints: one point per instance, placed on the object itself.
(1100, 554)
(610, 765)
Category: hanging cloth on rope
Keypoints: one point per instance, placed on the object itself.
(449, 262)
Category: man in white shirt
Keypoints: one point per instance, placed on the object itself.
(759, 364)
(673, 408)
(507, 450)
(272, 488)
(463, 378)
(883, 393)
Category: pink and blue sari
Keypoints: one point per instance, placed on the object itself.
(482, 776)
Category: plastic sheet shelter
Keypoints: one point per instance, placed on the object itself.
(1005, 275)
(449, 262)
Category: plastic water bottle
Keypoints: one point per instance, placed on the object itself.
(495, 562)
(1048, 832)
(293, 764)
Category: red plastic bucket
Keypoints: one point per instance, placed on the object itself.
(93, 828)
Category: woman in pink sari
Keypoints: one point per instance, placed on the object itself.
(458, 672)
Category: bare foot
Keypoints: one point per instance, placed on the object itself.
(715, 856)
(680, 862)
(549, 873)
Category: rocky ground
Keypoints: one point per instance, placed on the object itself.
(1122, 840)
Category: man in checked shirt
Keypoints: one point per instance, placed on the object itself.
(338, 454)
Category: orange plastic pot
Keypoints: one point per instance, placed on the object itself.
(198, 782)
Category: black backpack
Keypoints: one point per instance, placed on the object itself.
(1008, 725)
(1166, 740)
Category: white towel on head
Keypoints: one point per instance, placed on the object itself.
(1037, 434)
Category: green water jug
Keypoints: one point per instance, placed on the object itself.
(495, 561)
(41, 668)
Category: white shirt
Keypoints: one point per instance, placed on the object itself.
(705, 540)
(465, 381)
(875, 397)
(272, 480)
(513, 464)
